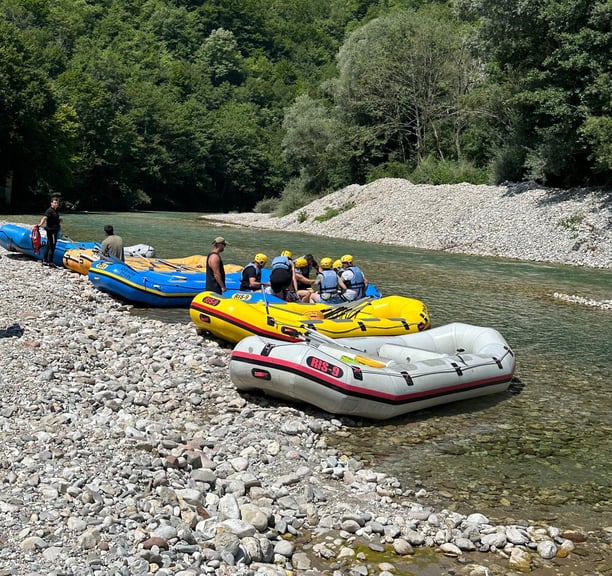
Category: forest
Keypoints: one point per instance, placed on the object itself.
(222, 105)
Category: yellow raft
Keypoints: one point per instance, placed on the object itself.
(80, 261)
(232, 319)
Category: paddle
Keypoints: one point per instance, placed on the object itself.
(269, 319)
(312, 335)
(356, 305)
(180, 267)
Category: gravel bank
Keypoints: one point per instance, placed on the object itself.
(516, 221)
(127, 451)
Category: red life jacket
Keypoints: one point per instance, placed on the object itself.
(36, 239)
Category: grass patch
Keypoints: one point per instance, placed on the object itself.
(572, 222)
(333, 212)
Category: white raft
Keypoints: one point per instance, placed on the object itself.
(143, 250)
(377, 377)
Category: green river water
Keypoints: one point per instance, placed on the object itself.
(541, 451)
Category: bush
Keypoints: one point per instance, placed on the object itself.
(434, 171)
(389, 170)
(267, 205)
(508, 165)
(293, 198)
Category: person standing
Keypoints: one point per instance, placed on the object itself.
(112, 245)
(51, 222)
(215, 273)
(251, 274)
(282, 279)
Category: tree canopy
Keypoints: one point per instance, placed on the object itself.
(215, 105)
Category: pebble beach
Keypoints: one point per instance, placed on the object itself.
(127, 450)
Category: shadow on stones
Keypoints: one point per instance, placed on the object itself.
(556, 195)
(13, 331)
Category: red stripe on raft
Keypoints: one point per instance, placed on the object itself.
(322, 378)
(251, 328)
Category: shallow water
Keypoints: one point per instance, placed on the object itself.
(541, 451)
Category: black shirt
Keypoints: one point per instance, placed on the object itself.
(53, 219)
(211, 282)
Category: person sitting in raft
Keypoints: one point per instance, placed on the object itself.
(312, 264)
(353, 278)
(282, 278)
(338, 266)
(250, 281)
(112, 245)
(329, 286)
(304, 282)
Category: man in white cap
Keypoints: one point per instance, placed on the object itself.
(215, 273)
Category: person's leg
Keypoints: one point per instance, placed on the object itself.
(47, 249)
(51, 242)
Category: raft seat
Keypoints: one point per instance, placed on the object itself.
(407, 354)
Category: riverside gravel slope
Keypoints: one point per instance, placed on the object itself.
(519, 221)
(127, 450)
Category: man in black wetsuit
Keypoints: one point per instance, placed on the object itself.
(51, 222)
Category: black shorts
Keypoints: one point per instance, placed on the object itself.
(280, 279)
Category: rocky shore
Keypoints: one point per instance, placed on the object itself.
(127, 451)
(520, 221)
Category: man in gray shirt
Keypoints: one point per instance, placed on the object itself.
(112, 245)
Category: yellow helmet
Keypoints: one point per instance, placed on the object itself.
(301, 262)
(337, 264)
(261, 259)
(346, 259)
(287, 253)
(326, 263)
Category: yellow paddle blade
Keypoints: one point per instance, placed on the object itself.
(363, 360)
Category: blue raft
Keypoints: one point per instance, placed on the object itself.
(167, 289)
(16, 238)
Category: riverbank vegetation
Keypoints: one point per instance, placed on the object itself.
(218, 105)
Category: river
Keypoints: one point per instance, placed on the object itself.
(541, 451)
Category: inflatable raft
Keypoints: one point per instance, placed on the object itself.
(232, 319)
(17, 238)
(154, 288)
(377, 377)
(81, 260)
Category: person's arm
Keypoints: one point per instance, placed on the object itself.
(294, 279)
(255, 284)
(214, 262)
(301, 278)
(43, 220)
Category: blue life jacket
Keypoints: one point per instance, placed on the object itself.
(281, 262)
(329, 284)
(358, 281)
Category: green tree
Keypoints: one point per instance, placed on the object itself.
(553, 61)
(37, 143)
(406, 77)
(314, 145)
